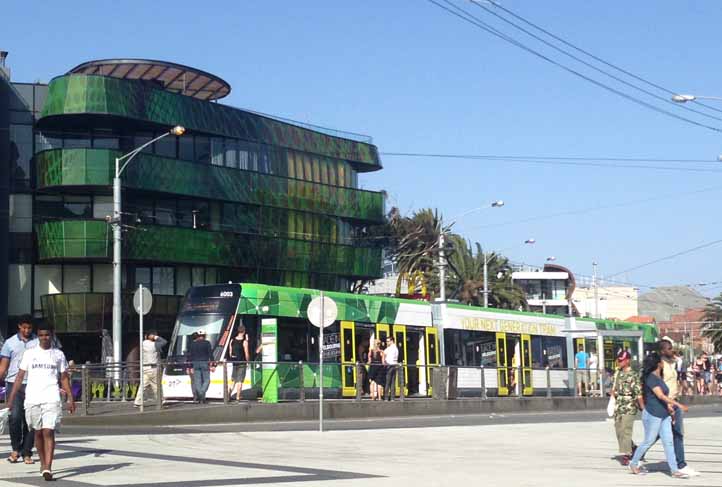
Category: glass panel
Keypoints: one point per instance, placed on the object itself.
(217, 151)
(264, 159)
(140, 139)
(308, 168)
(165, 212)
(291, 164)
(78, 206)
(324, 171)
(163, 280)
(19, 289)
(243, 155)
(105, 139)
(316, 170)
(141, 209)
(21, 213)
(203, 149)
(185, 148)
(299, 166)
(21, 150)
(231, 153)
(143, 276)
(341, 167)
(76, 278)
(183, 279)
(332, 180)
(76, 140)
(48, 280)
(47, 140)
(102, 206)
(211, 275)
(166, 147)
(102, 278)
(198, 276)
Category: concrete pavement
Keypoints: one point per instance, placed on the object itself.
(545, 453)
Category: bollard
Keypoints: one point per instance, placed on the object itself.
(401, 381)
(84, 397)
(226, 392)
(359, 382)
(520, 382)
(301, 386)
(600, 375)
(159, 382)
(549, 382)
(588, 386)
(483, 384)
(574, 382)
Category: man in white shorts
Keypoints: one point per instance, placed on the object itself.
(43, 366)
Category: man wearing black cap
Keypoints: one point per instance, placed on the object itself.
(201, 354)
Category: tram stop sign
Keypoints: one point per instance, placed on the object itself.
(147, 301)
(330, 311)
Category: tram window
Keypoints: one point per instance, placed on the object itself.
(556, 352)
(432, 351)
(292, 341)
(537, 352)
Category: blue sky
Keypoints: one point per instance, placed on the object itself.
(419, 80)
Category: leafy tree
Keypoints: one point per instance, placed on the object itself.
(713, 318)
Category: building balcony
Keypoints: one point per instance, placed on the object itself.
(71, 240)
(80, 94)
(91, 312)
(61, 169)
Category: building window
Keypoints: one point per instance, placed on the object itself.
(102, 207)
(105, 139)
(21, 213)
(217, 151)
(185, 148)
(76, 278)
(48, 280)
(203, 149)
(163, 280)
(78, 206)
(19, 291)
(166, 147)
(102, 278)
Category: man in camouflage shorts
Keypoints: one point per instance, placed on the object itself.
(627, 391)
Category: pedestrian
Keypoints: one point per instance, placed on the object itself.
(151, 349)
(43, 365)
(391, 359)
(240, 355)
(593, 373)
(681, 373)
(580, 360)
(656, 417)
(707, 373)
(669, 375)
(21, 439)
(377, 375)
(200, 355)
(699, 374)
(627, 392)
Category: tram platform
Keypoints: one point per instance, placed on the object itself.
(177, 413)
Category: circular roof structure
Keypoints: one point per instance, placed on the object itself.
(172, 77)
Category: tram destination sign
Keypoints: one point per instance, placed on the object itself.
(507, 326)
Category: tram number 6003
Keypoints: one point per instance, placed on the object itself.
(226, 294)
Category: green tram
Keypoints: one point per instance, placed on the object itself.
(427, 335)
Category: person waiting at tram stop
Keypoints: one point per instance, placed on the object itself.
(377, 373)
(657, 417)
(391, 359)
(200, 355)
(627, 392)
(240, 355)
(580, 362)
(151, 348)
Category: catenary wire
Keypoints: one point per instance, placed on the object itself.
(666, 100)
(668, 257)
(470, 18)
(596, 58)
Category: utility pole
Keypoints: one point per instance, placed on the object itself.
(486, 281)
(442, 267)
(596, 289)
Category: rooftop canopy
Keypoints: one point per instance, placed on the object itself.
(170, 76)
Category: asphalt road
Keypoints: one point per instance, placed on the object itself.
(705, 411)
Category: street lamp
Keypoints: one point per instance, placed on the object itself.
(551, 258)
(529, 241)
(686, 98)
(442, 242)
(116, 223)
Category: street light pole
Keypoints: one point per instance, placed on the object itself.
(116, 222)
(596, 292)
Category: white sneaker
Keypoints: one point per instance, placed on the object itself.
(689, 471)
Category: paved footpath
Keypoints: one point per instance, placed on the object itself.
(546, 453)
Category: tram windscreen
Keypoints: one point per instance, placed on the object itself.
(188, 324)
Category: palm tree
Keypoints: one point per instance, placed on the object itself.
(466, 278)
(713, 322)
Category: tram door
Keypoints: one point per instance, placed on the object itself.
(382, 331)
(348, 359)
(526, 373)
(400, 339)
(502, 366)
(432, 355)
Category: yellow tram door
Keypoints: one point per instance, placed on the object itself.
(502, 365)
(526, 372)
(382, 331)
(432, 355)
(400, 339)
(348, 359)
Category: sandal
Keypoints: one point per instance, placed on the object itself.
(28, 461)
(14, 457)
(47, 475)
(680, 475)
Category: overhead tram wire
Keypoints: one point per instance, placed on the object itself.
(470, 18)
(554, 162)
(573, 158)
(596, 58)
(668, 257)
(664, 99)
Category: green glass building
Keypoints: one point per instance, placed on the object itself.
(241, 196)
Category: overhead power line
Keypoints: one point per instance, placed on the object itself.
(591, 55)
(472, 19)
(553, 162)
(668, 257)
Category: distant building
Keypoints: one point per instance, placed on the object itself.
(686, 329)
(548, 290)
(612, 302)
